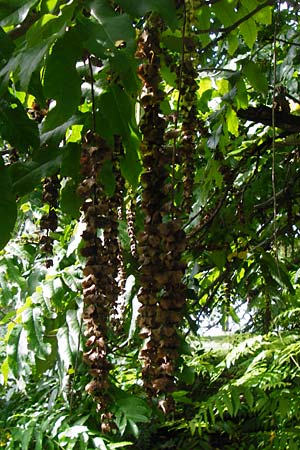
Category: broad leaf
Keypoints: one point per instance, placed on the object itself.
(107, 178)
(248, 30)
(165, 8)
(8, 208)
(33, 322)
(14, 11)
(15, 125)
(256, 77)
(25, 176)
(62, 81)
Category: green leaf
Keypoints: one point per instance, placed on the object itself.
(48, 25)
(74, 330)
(14, 11)
(131, 166)
(256, 77)
(117, 105)
(188, 375)
(15, 125)
(235, 395)
(126, 67)
(234, 315)
(120, 445)
(248, 30)
(165, 8)
(8, 208)
(17, 351)
(233, 43)
(277, 271)
(71, 277)
(70, 202)
(27, 435)
(248, 396)
(232, 121)
(242, 96)
(61, 81)
(33, 324)
(5, 370)
(225, 12)
(134, 428)
(107, 178)
(70, 165)
(63, 346)
(55, 135)
(6, 46)
(25, 176)
(264, 16)
(73, 432)
(219, 258)
(24, 63)
(131, 410)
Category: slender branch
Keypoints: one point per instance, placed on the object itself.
(264, 114)
(285, 41)
(17, 32)
(226, 30)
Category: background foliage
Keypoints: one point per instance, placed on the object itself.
(67, 67)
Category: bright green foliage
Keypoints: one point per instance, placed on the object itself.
(239, 390)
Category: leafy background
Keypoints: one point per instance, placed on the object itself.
(235, 390)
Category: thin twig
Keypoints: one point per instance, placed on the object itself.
(226, 30)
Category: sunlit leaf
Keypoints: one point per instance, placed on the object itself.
(248, 30)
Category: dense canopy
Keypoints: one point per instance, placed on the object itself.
(150, 206)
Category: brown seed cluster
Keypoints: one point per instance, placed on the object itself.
(187, 76)
(189, 125)
(101, 250)
(49, 221)
(130, 218)
(162, 240)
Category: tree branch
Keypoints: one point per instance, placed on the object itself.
(263, 114)
(226, 30)
(17, 32)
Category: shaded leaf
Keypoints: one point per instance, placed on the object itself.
(26, 175)
(8, 208)
(142, 7)
(15, 125)
(61, 80)
(256, 77)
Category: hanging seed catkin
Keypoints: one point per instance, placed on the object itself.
(162, 241)
(100, 287)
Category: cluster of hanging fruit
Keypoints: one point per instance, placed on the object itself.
(162, 240)
(101, 250)
(49, 221)
(188, 86)
(50, 196)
